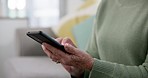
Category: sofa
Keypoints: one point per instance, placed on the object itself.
(31, 61)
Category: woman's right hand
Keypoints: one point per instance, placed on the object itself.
(76, 72)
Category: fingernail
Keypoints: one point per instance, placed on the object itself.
(62, 43)
(66, 44)
(43, 46)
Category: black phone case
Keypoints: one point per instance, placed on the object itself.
(41, 37)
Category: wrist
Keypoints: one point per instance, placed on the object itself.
(90, 64)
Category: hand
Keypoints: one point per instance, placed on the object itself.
(75, 62)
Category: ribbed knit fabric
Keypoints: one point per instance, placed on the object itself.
(119, 41)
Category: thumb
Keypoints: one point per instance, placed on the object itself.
(70, 49)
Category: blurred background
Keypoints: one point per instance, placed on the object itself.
(58, 18)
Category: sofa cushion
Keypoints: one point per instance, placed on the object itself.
(34, 67)
(26, 46)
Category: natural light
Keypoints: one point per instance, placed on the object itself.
(16, 4)
(42, 13)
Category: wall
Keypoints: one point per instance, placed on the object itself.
(2, 6)
(72, 5)
(0, 9)
(7, 39)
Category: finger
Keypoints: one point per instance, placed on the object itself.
(45, 49)
(71, 49)
(50, 55)
(54, 58)
(68, 68)
(55, 51)
(62, 57)
(67, 40)
(59, 40)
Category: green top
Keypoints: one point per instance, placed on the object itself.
(119, 40)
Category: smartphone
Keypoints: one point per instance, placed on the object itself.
(41, 37)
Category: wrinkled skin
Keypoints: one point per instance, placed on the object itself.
(75, 61)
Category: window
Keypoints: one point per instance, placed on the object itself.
(16, 8)
(40, 13)
(43, 13)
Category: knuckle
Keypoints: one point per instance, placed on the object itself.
(65, 62)
(45, 50)
(71, 49)
(53, 57)
(59, 39)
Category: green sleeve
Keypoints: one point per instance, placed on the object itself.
(91, 47)
(103, 69)
(92, 50)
